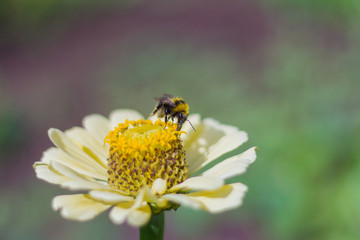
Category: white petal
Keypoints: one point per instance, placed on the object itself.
(78, 207)
(159, 186)
(91, 146)
(110, 197)
(199, 183)
(140, 216)
(182, 199)
(43, 172)
(150, 197)
(81, 167)
(222, 199)
(82, 185)
(153, 118)
(120, 212)
(66, 171)
(57, 173)
(136, 217)
(225, 198)
(210, 141)
(232, 166)
(137, 212)
(98, 126)
(194, 119)
(120, 115)
(64, 143)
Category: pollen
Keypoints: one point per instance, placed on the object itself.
(141, 152)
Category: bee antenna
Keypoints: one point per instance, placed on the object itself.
(191, 124)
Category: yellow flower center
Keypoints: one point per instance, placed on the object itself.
(141, 152)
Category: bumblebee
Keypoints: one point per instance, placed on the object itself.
(172, 107)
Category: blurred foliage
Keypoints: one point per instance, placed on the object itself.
(303, 117)
(172, 68)
(301, 109)
(12, 129)
(329, 8)
(306, 127)
(12, 132)
(23, 20)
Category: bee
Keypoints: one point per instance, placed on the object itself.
(172, 107)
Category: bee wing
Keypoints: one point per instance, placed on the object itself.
(166, 98)
(165, 95)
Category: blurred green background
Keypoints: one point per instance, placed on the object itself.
(287, 72)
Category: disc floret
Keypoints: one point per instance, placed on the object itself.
(141, 152)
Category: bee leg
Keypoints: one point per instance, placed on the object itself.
(179, 126)
(157, 108)
(166, 120)
(181, 120)
(166, 111)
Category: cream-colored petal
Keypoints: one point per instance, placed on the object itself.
(78, 207)
(43, 172)
(183, 199)
(222, 199)
(57, 173)
(140, 216)
(78, 154)
(210, 141)
(120, 212)
(137, 212)
(66, 171)
(82, 185)
(120, 115)
(232, 166)
(225, 144)
(98, 126)
(110, 197)
(153, 118)
(150, 197)
(97, 151)
(225, 198)
(159, 186)
(81, 167)
(195, 121)
(52, 153)
(72, 148)
(199, 183)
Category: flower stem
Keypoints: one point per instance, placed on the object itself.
(154, 230)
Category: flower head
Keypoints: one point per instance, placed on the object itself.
(141, 167)
(141, 152)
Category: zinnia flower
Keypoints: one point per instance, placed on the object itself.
(137, 167)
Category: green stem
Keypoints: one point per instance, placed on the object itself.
(154, 230)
